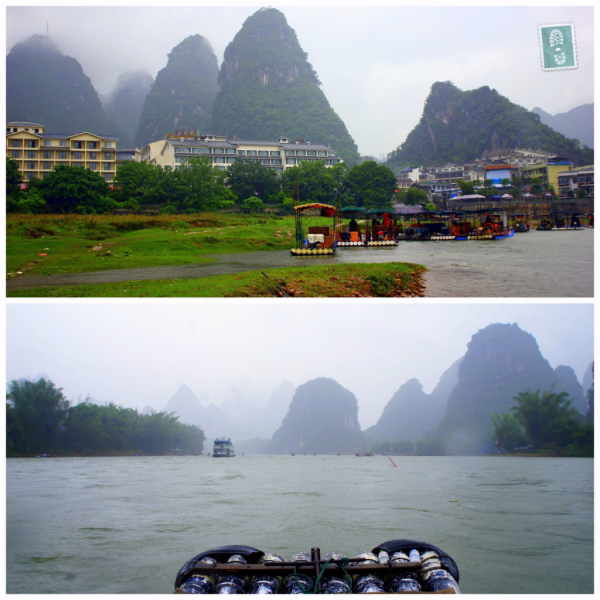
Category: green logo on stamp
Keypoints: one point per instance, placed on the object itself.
(558, 46)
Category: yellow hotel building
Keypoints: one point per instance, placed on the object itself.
(37, 152)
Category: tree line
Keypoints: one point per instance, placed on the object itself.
(40, 419)
(197, 186)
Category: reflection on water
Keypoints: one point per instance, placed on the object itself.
(520, 525)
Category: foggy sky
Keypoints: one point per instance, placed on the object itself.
(138, 354)
(376, 64)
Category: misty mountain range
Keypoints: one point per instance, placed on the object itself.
(264, 88)
(321, 416)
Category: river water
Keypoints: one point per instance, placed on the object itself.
(127, 525)
(535, 264)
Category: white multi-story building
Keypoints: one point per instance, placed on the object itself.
(176, 149)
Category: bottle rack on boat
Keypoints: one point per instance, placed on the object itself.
(394, 566)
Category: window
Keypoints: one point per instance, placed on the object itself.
(290, 161)
(47, 154)
(229, 150)
(107, 176)
(63, 163)
(263, 153)
(301, 153)
(77, 155)
(276, 161)
(322, 153)
(92, 166)
(251, 152)
(202, 150)
(93, 145)
(62, 143)
(15, 154)
(76, 164)
(31, 165)
(107, 166)
(219, 160)
(93, 155)
(107, 145)
(232, 159)
(242, 152)
(265, 161)
(62, 155)
(107, 155)
(221, 168)
(37, 130)
(30, 153)
(184, 150)
(30, 175)
(16, 143)
(46, 166)
(47, 142)
(77, 144)
(276, 153)
(31, 143)
(311, 153)
(289, 153)
(278, 170)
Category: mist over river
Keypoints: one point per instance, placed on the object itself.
(127, 525)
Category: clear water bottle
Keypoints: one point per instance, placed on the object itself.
(198, 584)
(383, 557)
(266, 584)
(233, 584)
(406, 582)
(335, 584)
(368, 584)
(414, 556)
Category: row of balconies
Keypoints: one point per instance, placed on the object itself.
(98, 146)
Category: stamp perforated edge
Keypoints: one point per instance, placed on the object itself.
(575, 58)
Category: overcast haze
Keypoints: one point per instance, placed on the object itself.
(376, 64)
(139, 354)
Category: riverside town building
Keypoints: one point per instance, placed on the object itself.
(37, 152)
(176, 149)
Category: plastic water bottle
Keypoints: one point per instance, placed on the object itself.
(414, 556)
(383, 557)
(198, 584)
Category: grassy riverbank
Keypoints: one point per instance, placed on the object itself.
(335, 281)
(58, 244)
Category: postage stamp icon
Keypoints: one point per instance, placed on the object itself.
(558, 47)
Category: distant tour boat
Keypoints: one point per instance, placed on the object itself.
(223, 448)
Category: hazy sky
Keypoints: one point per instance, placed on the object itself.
(138, 354)
(376, 64)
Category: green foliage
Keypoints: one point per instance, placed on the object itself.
(40, 419)
(516, 181)
(546, 417)
(74, 189)
(36, 411)
(253, 204)
(140, 181)
(183, 94)
(371, 185)
(466, 187)
(430, 206)
(507, 431)
(382, 285)
(459, 126)
(13, 178)
(267, 88)
(415, 196)
(430, 446)
(536, 185)
(251, 178)
(311, 181)
(581, 193)
(396, 447)
(583, 441)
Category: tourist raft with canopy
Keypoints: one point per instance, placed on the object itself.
(484, 224)
(392, 567)
(363, 233)
(313, 239)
